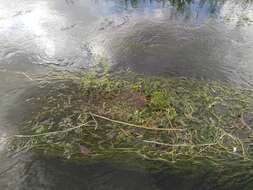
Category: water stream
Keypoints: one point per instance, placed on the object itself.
(201, 39)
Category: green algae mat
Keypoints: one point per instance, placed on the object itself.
(180, 123)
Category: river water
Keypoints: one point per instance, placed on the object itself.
(201, 39)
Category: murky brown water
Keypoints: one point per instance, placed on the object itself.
(203, 39)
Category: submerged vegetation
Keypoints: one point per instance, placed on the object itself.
(92, 116)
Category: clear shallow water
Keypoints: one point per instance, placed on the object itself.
(203, 39)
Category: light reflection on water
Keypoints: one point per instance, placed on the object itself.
(2, 140)
(73, 33)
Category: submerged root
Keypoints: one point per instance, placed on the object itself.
(52, 133)
(136, 126)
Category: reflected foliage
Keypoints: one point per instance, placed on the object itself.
(180, 5)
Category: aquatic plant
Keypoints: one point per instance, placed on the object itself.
(94, 116)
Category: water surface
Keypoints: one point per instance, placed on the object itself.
(201, 39)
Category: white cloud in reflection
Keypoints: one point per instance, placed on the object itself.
(235, 13)
(2, 140)
(34, 24)
(35, 20)
(158, 14)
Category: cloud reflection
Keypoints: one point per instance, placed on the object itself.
(34, 24)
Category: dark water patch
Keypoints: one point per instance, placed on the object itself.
(160, 44)
(48, 174)
(45, 173)
(200, 52)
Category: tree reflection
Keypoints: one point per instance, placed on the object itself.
(180, 5)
